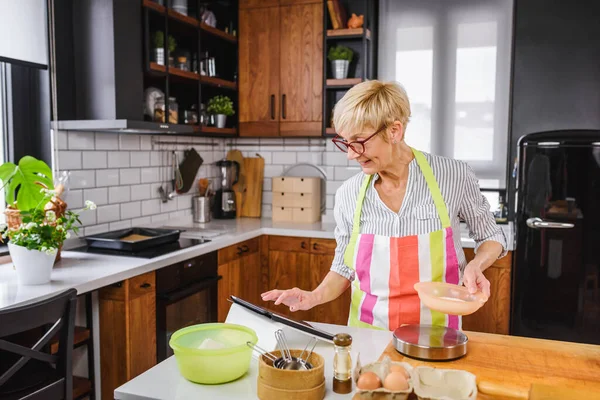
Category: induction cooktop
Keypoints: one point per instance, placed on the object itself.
(152, 252)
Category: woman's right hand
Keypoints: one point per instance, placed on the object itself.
(296, 299)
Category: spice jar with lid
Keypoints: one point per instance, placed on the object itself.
(159, 109)
(342, 363)
(182, 63)
(173, 111)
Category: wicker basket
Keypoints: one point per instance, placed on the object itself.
(13, 216)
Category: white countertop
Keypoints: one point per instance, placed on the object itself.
(164, 382)
(87, 272)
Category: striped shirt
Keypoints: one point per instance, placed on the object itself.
(417, 215)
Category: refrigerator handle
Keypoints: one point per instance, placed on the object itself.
(537, 223)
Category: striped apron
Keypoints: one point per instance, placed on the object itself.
(386, 268)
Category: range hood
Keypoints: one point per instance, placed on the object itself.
(100, 68)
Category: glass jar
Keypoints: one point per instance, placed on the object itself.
(342, 363)
(182, 63)
(173, 111)
(203, 115)
(159, 109)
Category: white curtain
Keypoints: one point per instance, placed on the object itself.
(453, 58)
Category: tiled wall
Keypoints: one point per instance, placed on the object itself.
(121, 173)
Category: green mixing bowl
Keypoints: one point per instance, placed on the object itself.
(213, 353)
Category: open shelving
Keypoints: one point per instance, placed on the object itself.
(195, 39)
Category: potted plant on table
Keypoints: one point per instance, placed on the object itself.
(37, 220)
(340, 57)
(158, 50)
(222, 106)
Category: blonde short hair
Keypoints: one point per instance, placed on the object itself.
(371, 105)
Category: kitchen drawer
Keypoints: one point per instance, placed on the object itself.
(323, 246)
(306, 214)
(288, 243)
(282, 214)
(285, 199)
(292, 184)
(283, 184)
(131, 288)
(238, 251)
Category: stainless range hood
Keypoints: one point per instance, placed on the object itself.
(124, 126)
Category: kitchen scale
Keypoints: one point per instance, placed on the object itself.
(430, 343)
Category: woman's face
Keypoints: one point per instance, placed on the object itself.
(378, 152)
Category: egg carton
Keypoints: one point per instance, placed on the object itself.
(381, 369)
(443, 384)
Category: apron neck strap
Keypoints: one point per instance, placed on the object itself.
(434, 189)
(359, 204)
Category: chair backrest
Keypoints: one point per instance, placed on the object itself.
(58, 312)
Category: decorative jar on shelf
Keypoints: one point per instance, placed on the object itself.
(173, 111)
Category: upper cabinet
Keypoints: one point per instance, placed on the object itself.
(281, 69)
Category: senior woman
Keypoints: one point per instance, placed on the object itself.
(398, 221)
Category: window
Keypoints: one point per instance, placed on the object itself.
(3, 127)
(453, 58)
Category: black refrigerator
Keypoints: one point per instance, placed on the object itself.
(556, 270)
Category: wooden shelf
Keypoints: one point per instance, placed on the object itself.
(193, 22)
(81, 387)
(157, 67)
(217, 82)
(342, 83)
(347, 33)
(81, 335)
(184, 74)
(154, 6)
(214, 129)
(218, 33)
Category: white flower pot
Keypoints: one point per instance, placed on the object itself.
(221, 119)
(33, 267)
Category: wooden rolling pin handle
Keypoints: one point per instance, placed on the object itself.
(498, 389)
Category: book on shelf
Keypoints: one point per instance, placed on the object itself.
(332, 16)
(340, 13)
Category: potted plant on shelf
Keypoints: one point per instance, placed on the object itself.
(37, 220)
(158, 51)
(340, 57)
(222, 107)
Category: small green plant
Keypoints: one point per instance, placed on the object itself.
(220, 105)
(340, 53)
(159, 41)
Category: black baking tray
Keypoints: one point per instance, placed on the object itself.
(112, 240)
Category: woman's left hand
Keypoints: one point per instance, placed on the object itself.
(474, 280)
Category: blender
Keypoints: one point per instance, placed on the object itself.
(224, 202)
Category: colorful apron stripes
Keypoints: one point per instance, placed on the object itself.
(386, 268)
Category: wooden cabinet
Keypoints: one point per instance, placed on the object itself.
(281, 69)
(241, 272)
(494, 316)
(127, 331)
(303, 263)
(245, 4)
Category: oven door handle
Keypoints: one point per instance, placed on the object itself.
(187, 291)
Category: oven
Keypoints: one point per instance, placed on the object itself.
(186, 294)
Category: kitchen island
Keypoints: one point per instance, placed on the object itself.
(501, 363)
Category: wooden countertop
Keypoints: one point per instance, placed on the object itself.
(512, 364)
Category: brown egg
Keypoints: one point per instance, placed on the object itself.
(368, 381)
(395, 381)
(399, 368)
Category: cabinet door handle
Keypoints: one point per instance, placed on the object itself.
(315, 246)
(245, 248)
(283, 106)
(303, 245)
(145, 285)
(272, 106)
(240, 251)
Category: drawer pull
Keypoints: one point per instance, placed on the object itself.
(145, 285)
(301, 209)
(245, 248)
(315, 246)
(240, 251)
(303, 245)
(301, 194)
(118, 284)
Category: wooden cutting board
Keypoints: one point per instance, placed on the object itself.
(254, 169)
(240, 186)
(515, 363)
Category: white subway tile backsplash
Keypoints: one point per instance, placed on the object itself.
(82, 179)
(266, 211)
(109, 213)
(333, 186)
(94, 159)
(169, 206)
(344, 173)
(310, 157)
(150, 207)
(118, 159)
(81, 141)
(62, 140)
(97, 195)
(141, 221)
(69, 160)
(88, 217)
(154, 187)
(267, 155)
(176, 214)
(328, 172)
(273, 170)
(146, 142)
(119, 194)
(335, 158)
(157, 158)
(140, 192)
(115, 226)
(107, 141)
(267, 198)
(267, 184)
(131, 210)
(160, 217)
(129, 142)
(184, 202)
(329, 201)
(96, 229)
(107, 177)
(284, 157)
(140, 158)
(150, 175)
(129, 176)
(74, 199)
(271, 145)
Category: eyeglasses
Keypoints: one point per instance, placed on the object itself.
(357, 146)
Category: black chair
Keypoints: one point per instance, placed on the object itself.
(30, 372)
